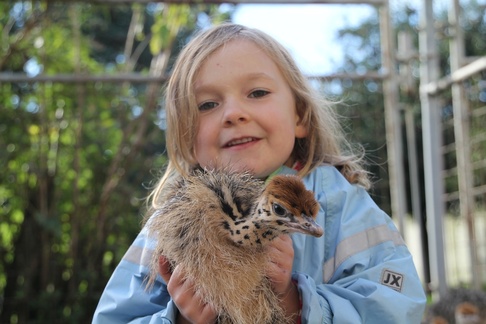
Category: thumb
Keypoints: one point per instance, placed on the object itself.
(165, 268)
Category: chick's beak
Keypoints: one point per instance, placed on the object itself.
(306, 225)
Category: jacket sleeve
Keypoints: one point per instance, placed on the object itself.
(126, 298)
(364, 273)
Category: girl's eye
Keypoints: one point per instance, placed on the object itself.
(207, 106)
(258, 93)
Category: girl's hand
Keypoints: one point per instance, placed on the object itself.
(279, 270)
(191, 307)
(279, 267)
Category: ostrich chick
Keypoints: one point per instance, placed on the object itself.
(216, 224)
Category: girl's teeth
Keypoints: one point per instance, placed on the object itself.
(241, 141)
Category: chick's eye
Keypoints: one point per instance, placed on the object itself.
(207, 105)
(258, 93)
(279, 210)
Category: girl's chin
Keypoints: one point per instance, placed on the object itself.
(232, 166)
(258, 167)
(256, 171)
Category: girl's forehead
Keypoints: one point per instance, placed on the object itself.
(237, 47)
(235, 52)
(239, 58)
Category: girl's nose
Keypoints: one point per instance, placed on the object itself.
(235, 112)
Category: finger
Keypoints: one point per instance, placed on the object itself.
(189, 303)
(283, 242)
(165, 268)
(281, 251)
(208, 314)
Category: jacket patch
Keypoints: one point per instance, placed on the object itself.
(392, 279)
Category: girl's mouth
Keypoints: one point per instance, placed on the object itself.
(240, 141)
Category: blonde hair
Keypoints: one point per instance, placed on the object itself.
(324, 144)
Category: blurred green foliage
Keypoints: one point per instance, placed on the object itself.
(78, 159)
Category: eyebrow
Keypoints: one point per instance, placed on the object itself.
(259, 75)
(250, 77)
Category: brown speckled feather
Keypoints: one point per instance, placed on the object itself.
(216, 224)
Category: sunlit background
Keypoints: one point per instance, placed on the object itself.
(82, 132)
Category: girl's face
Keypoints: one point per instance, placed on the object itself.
(248, 120)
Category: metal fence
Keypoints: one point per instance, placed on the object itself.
(453, 134)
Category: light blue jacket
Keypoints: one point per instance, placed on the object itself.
(359, 271)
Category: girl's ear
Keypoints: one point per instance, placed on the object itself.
(300, 129)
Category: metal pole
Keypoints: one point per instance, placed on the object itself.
(461, 134)
(138, 77)
(462, 73)
(392, 120)
(432, 143)
(371, 2)
(407, 86)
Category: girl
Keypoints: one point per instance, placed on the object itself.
(236, 97)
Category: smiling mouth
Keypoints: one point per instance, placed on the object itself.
(240, 141)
